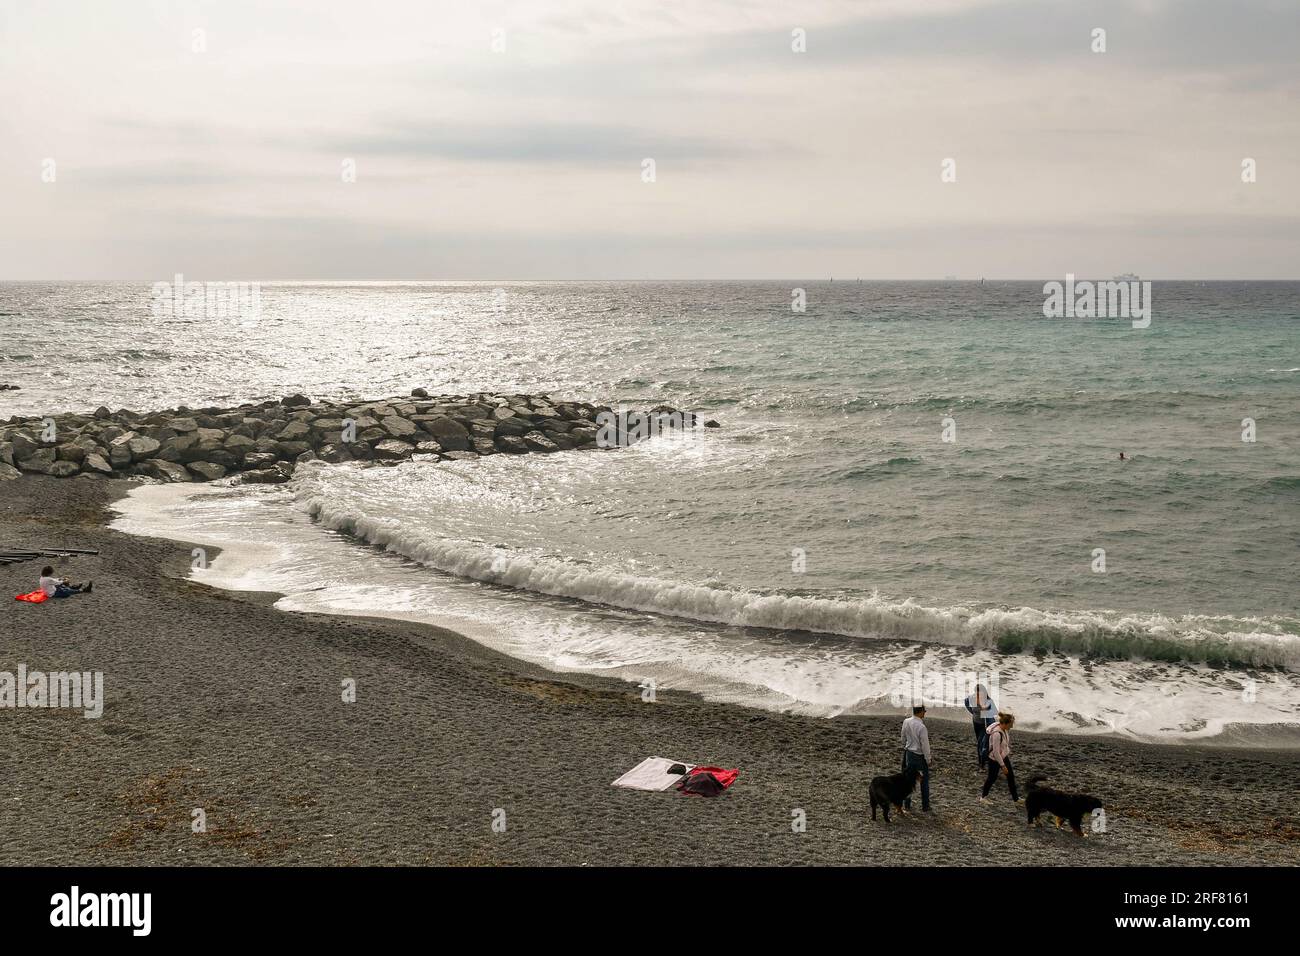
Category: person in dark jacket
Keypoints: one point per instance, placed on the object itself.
(984, 713)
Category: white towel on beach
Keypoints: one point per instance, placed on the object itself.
(652, 774)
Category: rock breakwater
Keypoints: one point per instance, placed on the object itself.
(263, 443)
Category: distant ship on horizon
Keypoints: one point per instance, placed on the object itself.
(1127, 277)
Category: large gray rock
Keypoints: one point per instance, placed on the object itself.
(6, 453)
(206, 470)
(448, 433)
(97, 463)
(64, 469)
(515, 427)
(240, 444)
(275, 475)
(334, 454)
(109, 434)
(164, 471)
(70, 452)
(292, 449)
(219, 456)
(8, 472)
(39, 461)
(201, 449)
(183, 425)
(329, 429)
(143, 447)
(398, 427)
(511, 444)
(294, 431)
(536, 441)
(175, 449)
(392, 448)
(24, 446)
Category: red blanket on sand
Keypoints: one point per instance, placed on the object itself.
(707, 781)
(35, 597)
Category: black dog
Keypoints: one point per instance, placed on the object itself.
(1064, 806)
(892, 791)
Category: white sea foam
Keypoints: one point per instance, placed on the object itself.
(1193, 638)
(270, 544)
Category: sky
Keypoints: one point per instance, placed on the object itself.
(908, 139)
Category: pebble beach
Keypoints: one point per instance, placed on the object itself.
(217, 702)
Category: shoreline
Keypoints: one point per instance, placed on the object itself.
(217, 700)
(246, 555)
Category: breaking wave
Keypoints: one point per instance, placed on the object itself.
(1214, 640)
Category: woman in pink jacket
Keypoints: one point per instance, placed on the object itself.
(1000, 756)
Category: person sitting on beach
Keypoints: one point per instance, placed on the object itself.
(999, 737)
(984, 712)
(59, 588)
(916, 753)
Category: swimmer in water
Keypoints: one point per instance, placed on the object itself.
(1121, 457)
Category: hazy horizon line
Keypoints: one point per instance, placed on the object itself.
(827, 280)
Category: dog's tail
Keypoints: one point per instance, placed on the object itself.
(1035, 780)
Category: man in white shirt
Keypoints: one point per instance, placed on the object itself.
(916, 753)
(59, 588)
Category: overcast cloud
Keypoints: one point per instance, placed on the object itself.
(226, 162)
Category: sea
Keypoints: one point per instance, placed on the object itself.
(913, 483)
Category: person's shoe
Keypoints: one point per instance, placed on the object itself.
(984, 799)
(90, 586)
(927, 809)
